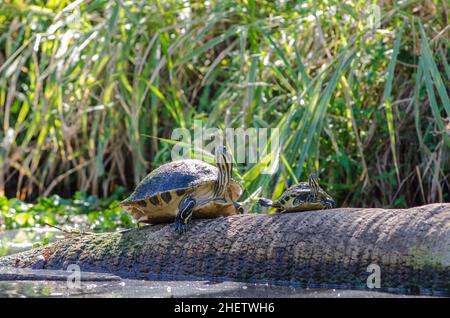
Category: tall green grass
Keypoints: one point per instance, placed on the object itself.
(91, 90)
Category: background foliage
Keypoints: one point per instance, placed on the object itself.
(91, 90)
(83, 212)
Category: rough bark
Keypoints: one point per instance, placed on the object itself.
(330, 247)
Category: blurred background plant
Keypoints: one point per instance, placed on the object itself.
(91, 89)
(26, 225)
(83, 212)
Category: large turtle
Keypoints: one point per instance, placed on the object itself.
(185, 189)
(303, 196)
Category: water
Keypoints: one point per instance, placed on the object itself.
(19, 240)
(166, 289)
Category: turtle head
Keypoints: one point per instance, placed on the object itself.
(223, 155)
(224, 162)
(314, 185)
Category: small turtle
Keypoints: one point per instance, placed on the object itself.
(185, 189)
(303, 196)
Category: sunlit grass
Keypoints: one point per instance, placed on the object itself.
(91, 90)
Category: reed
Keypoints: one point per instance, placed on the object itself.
(90, 91)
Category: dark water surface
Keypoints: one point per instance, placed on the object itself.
(164, 289)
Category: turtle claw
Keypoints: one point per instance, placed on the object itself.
(180, 227)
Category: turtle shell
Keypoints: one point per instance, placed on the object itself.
(288, 198)
(156, 198)
(293, 192)
(172, 176)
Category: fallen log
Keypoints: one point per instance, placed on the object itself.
(347, 247)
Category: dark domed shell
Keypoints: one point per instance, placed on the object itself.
(181, 174)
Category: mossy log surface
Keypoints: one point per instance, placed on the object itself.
(329, 247)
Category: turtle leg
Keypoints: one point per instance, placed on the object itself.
(184, 214)
(265, 202)
(330, 204)
(239, 208)
(268, 203)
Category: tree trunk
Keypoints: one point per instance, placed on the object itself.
(331, 248)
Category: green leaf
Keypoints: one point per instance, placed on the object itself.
(387, 98)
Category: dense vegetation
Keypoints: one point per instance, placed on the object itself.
(82, 212)
(90, 92)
